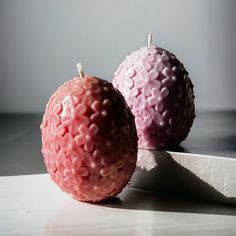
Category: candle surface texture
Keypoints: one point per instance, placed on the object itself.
(158, 91)
(89, 139)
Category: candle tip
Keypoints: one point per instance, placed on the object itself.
(80, 70)
(149, 40)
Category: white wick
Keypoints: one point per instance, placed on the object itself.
(149, 40)
(80, 70)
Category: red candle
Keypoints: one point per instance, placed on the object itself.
(89, 139)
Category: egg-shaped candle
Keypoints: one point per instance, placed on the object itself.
(159, 92)
(89, 139)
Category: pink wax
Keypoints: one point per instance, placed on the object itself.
(158, 90)
(89, 140)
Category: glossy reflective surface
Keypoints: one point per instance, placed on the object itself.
(33, 205)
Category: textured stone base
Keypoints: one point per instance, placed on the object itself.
(201, 176)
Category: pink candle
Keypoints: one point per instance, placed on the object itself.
(158, 90)
(89, 140)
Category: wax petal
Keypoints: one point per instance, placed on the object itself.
(143, 74)
(155, 92)
(130, 73)
(153, 74)
(133, 92)
(147, 90)
(157, 117)
(147, 121)
(129, 82)
(164, 92)
(155, 84)
(139, 83)
(152, 101)
(147, 66)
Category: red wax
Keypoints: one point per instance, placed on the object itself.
(89, 139)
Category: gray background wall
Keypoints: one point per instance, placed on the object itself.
(41, 41)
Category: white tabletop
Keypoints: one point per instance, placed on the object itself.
(34, 205)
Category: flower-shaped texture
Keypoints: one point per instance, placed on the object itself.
(158, 90)
(89, 139)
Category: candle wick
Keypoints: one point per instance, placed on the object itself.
(149, 40)
(80, 70)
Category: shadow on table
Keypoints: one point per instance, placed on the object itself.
(178, 148)
(171, 187)
(145, 200)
